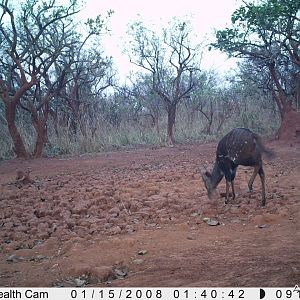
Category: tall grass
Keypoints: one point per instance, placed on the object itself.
(131, 133)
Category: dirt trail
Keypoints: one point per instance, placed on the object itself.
(135, 218)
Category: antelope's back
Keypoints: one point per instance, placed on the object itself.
(240, 147)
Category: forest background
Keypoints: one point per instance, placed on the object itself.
(61, 93)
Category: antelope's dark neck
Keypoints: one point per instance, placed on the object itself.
(216, 175)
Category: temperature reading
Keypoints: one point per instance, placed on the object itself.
(288, 293)
(280, 294)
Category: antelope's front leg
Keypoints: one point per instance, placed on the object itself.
(255, 171)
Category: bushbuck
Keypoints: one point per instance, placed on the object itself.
(240, 146)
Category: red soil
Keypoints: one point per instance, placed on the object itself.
(84, 220)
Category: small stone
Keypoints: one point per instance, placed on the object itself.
(130, 230)
(38, 258)
(196, 214)
(14, 258)
(191, 237)
(79, 282)
(142, 252)
(211, 222)
(121, 272)
(138, 261)
(262, 226)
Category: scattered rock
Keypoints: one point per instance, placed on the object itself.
(136, 221)
(138, 261)
(121, 272)
(196, 214)
(130, 230)
(79, 282)
(262, 226)
(14, 258)
(142, 252)
(191, 236)
(211, 222)
(38, 258)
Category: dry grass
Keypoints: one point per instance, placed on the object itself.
(107, 137)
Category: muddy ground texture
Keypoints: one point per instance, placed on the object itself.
(139, 218)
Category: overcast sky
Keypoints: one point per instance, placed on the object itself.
(205, 16)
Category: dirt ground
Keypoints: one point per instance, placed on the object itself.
(135, 218)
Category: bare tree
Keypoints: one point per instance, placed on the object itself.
(27, 55)
(172, 62)
(43, 59)
(151, 105)
(90, 75)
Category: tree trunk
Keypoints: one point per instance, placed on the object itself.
(278, 103)
(41, 140)
(40, 126)
(208, 129)
(210, 119)
(171, 122)
(289, 129)
(11, 107)
(55, 118)
(19, 147)
(280, 97)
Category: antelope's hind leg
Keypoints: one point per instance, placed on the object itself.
(263, 188)
(232, 188)
(250, 183)
(228, 192)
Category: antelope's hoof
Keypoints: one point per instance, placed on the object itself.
(224, 194)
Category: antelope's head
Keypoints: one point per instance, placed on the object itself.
(206, 177)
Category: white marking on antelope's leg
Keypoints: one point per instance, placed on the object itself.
(250, 183)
